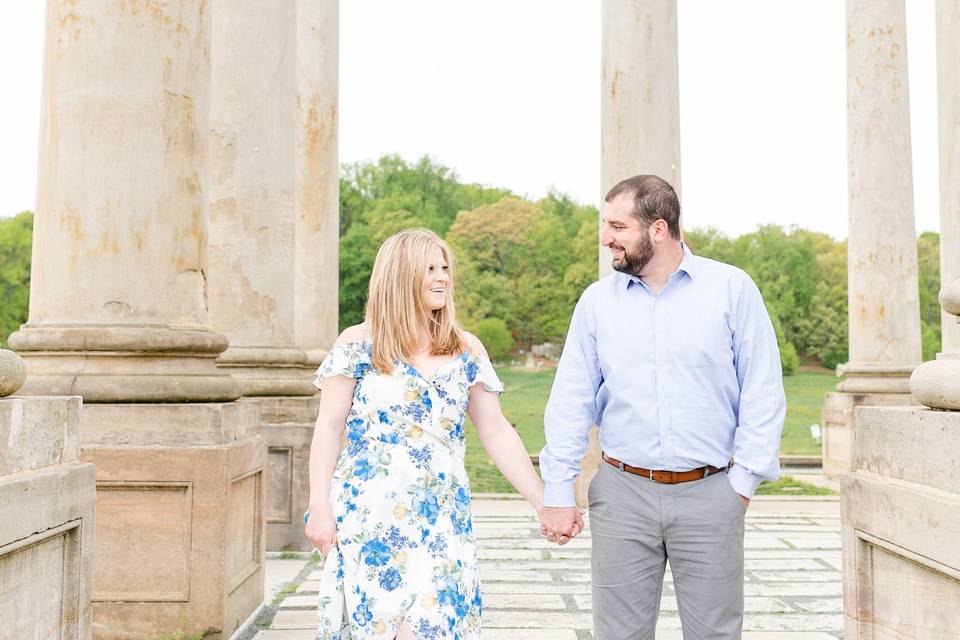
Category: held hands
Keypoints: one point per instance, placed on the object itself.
(560, 524)
(320, 528)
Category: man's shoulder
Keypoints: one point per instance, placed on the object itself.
(715, 270)
(602, 287)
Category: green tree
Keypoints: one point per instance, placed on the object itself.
(430, 191)
(16, 239)
(928, 258)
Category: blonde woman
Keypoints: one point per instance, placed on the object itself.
(393, 510)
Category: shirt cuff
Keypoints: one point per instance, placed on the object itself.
(559, 494)
(742, 481)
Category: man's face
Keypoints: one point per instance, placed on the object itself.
(628, 240)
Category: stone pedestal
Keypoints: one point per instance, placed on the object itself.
(640, 99)
(287, 433)
(180, 523)
(900, 509)
(837, 425)
(900, 526)
(884, 304)
(47, 526)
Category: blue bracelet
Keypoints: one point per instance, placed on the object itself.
(306, 516)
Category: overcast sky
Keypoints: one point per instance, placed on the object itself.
(508, 94)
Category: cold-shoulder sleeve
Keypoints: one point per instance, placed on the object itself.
(351, 359)
(480, 371)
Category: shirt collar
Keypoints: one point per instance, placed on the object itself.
(688, 265)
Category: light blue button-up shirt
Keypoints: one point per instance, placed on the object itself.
(677, 380)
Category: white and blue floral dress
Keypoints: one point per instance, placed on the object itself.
(401, 499)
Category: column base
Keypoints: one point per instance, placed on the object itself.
(124, 363)
(900, 512)
(180, 532)
(269, 371)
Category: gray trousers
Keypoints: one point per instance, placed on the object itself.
(637, 525)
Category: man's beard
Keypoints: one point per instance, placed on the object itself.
(634, 261)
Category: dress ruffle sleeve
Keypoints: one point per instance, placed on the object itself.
(480, 371)
(351, 359)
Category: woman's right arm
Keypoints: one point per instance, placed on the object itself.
(336, 399)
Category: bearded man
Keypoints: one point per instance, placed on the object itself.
(674, 357)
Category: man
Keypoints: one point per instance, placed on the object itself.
(674, 357)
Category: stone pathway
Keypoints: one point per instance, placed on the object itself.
(534, 590)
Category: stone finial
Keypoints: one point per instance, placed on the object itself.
(13, 373)
(936, 383)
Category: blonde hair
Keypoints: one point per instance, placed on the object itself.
(395, 306)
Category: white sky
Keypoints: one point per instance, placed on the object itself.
(508, 93)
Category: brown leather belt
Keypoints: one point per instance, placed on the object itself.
(665, 477)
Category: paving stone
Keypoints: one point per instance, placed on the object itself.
(544, 587)
(783, 564)
(509, 554)
(286, 634)
(794, 622)
(543, 619)
(669, 603)
(820, 605)
(297, 602)
(309, 586)
(760, 635)
(544, 566)
(527, 634)
(796, 576)
(522, 601)
(793, 589)
(280, 573)
(504, 575)
(295, 619)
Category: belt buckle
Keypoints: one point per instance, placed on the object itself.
(651, 475)
(621, 467)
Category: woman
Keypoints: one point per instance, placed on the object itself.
(393, 509)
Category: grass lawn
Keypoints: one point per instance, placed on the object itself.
(526, 397)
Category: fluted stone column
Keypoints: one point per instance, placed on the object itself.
(274, 211)
(47, 507)
(901, 509)
(118, 315)
(640, 97)
(884, 307)
(948, 91)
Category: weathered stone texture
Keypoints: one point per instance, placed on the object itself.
(47, 528)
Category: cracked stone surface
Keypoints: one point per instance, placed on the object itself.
(534, 590)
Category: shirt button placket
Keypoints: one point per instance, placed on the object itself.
(660, 356)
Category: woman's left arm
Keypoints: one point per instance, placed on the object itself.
(503, 445)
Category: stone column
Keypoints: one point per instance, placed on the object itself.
(118, 315)
(901, 509)
(884, 306)
(948, 91)
(640, 97)
(317, 194)
(47, 527)
(639, 119)
(274, 211)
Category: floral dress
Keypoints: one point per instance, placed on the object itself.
(401, 499)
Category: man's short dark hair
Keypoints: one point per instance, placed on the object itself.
(653, 199)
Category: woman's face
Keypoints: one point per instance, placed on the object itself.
(436, 281)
